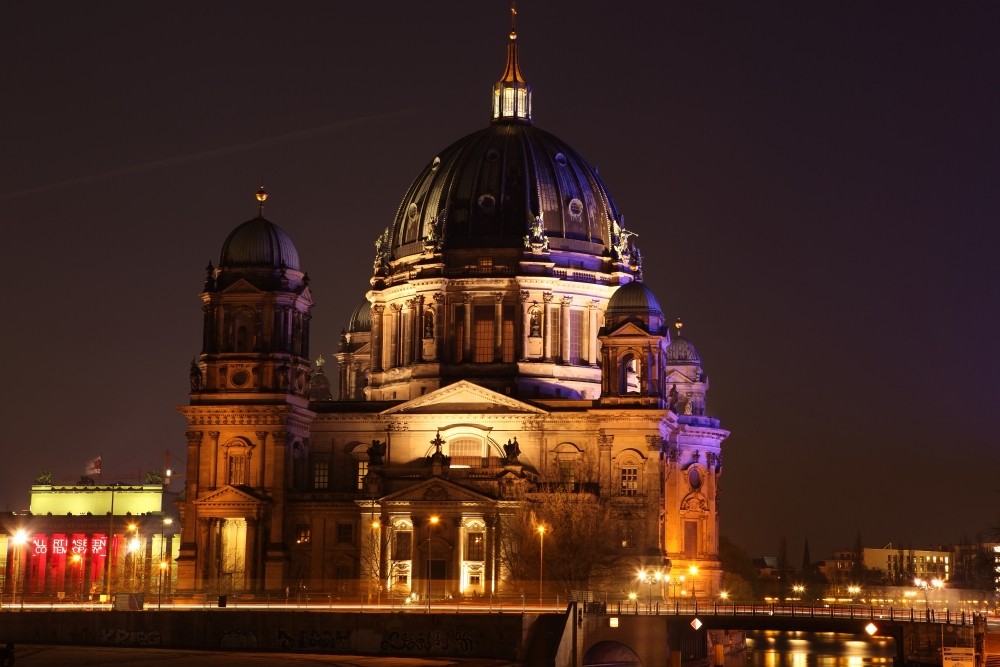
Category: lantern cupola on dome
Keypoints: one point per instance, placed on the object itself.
(512, 94)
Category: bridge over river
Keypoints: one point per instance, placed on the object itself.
(575, 635)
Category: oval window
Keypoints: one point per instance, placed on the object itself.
(694, 478)
(487, 203)
(411, 212)
(435, 163)
(575, 208)
(560, 159)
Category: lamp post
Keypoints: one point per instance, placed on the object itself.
(541, 560)
(675, 583)
(693, 571)
(77, 570)
(377, 565)
(163, 564)
(131, 547)
(20, 538)
(433, 521)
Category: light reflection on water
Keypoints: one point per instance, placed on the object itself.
(813, 649)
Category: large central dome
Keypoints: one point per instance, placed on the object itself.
(510, 188)
(488, 189)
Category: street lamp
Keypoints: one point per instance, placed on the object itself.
(541, 560)
(675, 583)
(20, 538)
(377, 569)
(854, 591)
(131, 547)
(798, 589)
(77, 560)
(430, 537)
(163, 564)
(693, 571)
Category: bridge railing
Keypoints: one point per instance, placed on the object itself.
(841, 611)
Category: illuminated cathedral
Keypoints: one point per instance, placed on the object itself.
(507, 362)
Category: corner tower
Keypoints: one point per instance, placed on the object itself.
(248, 417)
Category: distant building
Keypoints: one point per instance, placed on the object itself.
(84, 541)
(903, 566)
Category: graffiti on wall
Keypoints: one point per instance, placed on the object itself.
(435, 641)
(339, 640)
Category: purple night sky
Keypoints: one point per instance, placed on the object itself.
(814, 186)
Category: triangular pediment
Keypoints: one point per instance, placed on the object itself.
(630, 328)
(435, 491)
(674, 376)
(242, 286)
(229, 498)
(463, 397)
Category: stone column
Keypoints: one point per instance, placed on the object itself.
(547, 327)
(592, 334)
(202, 566)
(418, 331)
(498, 326)
(213, 479)
(604, 445)
(407, 332)
(377, 311)
(467, 334)
(262, 437)
(564, 328)
(525, 325)
(440, 315)
(253, 555)
(395, 353)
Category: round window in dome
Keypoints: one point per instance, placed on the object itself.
(487, 203)
(412, 212)
(560, 159)
(492, 155)
(575, 208)
(435, 163)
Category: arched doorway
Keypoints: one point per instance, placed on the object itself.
(610, 654)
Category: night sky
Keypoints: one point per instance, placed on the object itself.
(813, 184)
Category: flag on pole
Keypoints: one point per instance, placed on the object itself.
(94, 466)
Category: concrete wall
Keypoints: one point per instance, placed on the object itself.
(402, 634)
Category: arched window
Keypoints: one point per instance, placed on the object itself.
(469, 450)
(238, 462)
(243, 332)
(629, 374)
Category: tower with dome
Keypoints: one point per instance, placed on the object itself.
(507, 379)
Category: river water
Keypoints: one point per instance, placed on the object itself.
(813, 649)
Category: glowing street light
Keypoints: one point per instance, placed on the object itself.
(167, 521)
(693, 571)
(20, 538)
(430, 537)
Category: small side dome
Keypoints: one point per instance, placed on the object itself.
(681, 350)
(259, 244)
(361, 318)
(633, 298)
